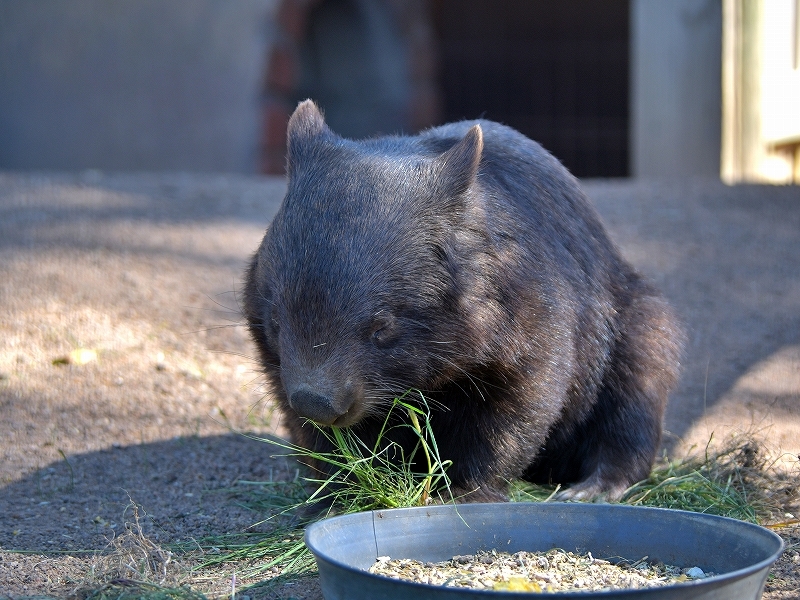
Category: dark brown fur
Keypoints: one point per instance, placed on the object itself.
(465, 262)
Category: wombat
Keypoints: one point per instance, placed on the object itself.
(467, 263)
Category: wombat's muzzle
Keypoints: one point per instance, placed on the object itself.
(322, 409)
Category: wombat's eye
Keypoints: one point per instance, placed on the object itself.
(380, 338)
(384, 332)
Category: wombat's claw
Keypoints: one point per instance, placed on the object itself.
(590, 491)
(570, 495)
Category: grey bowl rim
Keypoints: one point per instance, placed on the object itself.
(711, 580)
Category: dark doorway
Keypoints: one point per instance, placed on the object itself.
(556, 70)
(353, 64)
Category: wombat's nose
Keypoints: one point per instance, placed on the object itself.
(315, 407)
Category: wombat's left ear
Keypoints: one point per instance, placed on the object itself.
(305, 124)
(458, 167)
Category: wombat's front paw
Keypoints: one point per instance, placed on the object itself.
(593, 489)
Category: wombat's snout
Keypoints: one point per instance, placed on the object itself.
(322, 409)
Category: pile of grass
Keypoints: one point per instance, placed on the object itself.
(732, 481)
(381, 475)
(134, 567)
(735, 479)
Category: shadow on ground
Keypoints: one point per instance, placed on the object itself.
(186, 489)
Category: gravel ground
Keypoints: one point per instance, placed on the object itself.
(142, 270)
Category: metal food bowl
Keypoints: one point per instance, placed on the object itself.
(740, 554)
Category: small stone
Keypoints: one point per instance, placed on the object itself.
(542, 562)
(696, 573)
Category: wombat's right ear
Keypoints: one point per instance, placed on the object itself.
(458, 167)
(305, 124)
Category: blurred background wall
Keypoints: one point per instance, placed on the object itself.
(676, 47)
(613, 88)
(132, 84)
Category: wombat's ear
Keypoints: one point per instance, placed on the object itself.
(305, 124)
(458, 167)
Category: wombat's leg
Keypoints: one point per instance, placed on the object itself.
(488, 433)
(623, 430)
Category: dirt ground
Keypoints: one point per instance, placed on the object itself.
(124, 362)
